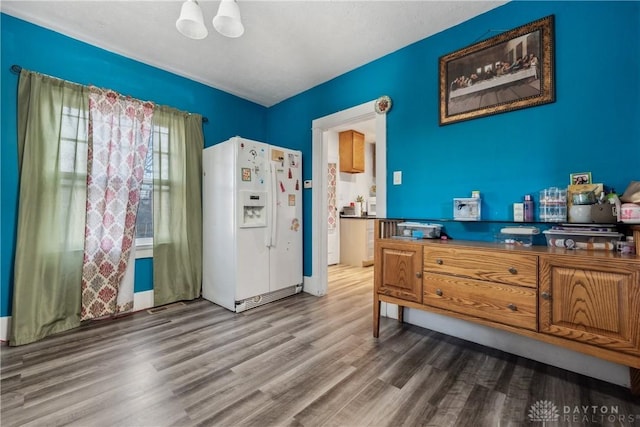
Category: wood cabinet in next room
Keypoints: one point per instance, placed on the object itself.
(351, 151)
(356, 241)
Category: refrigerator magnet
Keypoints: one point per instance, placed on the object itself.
(295, 224)
(246, 174)
(282, 187)
(290, 174)
(277, 155)
(292, 199)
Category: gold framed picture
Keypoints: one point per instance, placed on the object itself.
(510, 71)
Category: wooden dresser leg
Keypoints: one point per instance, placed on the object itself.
(634, 376)
(401, 314)
(376, 315)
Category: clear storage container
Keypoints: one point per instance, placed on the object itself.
(467, 208)
(553, 205)
(515, 239)
(582, 239)
(418, 230)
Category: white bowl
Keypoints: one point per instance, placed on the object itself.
(580, 213)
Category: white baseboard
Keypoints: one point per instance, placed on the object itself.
(5, 324)
(310, 286)
(142, 300)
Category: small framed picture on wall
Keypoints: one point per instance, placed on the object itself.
(580, 178)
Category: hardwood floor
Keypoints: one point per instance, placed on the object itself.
(300, 361)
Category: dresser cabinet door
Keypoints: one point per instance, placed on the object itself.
(398, 270)
(591, 300)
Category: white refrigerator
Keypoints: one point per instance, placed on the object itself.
(252, 223)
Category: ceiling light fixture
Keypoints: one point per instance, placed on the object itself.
(190, 23)
(227, 21)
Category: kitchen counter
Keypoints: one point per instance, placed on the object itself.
(356, 240)
(358, 217)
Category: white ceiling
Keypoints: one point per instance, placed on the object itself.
(287, 48)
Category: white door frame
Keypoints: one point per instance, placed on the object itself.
(316, 284)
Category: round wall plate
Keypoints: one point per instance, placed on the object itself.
(383, 104)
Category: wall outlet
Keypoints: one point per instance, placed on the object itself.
(397, 177)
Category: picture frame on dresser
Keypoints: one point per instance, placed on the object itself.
(580, 178)
(510, 71)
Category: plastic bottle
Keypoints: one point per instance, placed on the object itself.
(528, 208)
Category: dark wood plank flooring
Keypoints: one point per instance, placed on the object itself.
(300, 361)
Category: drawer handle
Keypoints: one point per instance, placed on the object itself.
(439, 261)
(512, 307)
(545, 295)
(419, 274)
(512, 270)
(439, 292)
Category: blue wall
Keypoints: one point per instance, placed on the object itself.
(38, 49)
(594, 124)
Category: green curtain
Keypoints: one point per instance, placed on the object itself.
(177, 205)
(52, 150)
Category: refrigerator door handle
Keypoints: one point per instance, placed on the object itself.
(274, 206)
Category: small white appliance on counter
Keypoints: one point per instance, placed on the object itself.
(252, 223)
(371, 206)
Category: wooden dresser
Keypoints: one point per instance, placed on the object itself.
(587, 301)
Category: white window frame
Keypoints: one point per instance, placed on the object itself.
(144, 247)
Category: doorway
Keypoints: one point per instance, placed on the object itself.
(316, 284)
(344, 188)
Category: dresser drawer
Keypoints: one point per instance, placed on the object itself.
(510, 305)
(503, 267)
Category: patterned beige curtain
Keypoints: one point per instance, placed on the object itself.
(332, 214)
(119, 132)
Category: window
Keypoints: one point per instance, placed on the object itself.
(157, 158)
(72, 172)
(144, 218)
(72, 166)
